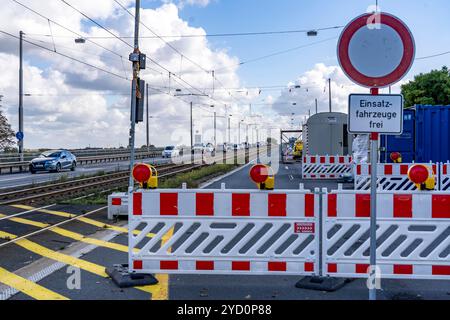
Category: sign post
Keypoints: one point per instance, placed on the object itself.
(375, 50)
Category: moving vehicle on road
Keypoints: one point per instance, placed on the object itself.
(170, 152)
(54, 161)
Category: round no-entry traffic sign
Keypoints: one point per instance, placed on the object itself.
(376, 50)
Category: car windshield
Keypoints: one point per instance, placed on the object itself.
(51, 154)
(170, 148)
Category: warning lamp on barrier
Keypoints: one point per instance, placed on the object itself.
(396, 157)
(263, 176)
(420, 175)
(146, 175)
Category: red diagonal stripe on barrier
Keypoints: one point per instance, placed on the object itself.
(309, 205)
(403, 206)
(204, 203)
(240, 204)
(168, 204)
(440, 206)
(277, 205)
(137, 204)
(277, 266)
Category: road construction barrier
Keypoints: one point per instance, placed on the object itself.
(444, 179)
(224, 232)
(117, 205)
(391, 176)
(326, 167)
(413, 235)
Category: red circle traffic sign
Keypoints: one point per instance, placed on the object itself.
(376, 50)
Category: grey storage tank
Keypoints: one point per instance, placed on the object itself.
(326, 134)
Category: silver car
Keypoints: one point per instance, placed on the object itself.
(54, 161)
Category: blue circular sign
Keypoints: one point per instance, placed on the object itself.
(19, 136)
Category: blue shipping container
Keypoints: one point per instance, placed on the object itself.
(403, 143)
(432, 133)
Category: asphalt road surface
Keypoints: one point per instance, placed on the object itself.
(48, 258)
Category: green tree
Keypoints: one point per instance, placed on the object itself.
(6, 133)
(428, 88)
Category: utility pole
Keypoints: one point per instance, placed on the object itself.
(229, 129)
(192, 135)
(148, 125)
(21, 95)
(317, 108)
(215, 130)
(239, 133)
(135, 92)
(329, 91)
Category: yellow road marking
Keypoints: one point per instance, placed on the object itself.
(28, 287)
(82, 219)
(69, 260)
(7, 236)
(161, 290)
(70, 234)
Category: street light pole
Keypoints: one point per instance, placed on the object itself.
(134, 94)
(192, 137)
(215, 130)
(148, 125)
(21, 95)
(229, 129)
(329, 92)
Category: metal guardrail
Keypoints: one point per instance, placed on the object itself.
(24, 165)
(14, 157)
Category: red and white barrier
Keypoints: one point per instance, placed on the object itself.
(117, 205)
(224, 232)
(444, 179)
(391, 176)
(412, 236)
(325, 167)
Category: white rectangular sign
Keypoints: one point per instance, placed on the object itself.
(381, 113)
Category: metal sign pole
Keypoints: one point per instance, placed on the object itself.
(373, 207)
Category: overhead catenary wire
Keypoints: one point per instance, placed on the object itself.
(66, 28)
(66, 56)
(212, 72)
(235, 34)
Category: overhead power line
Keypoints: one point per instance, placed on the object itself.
(66, 28)
(236, 34)
(65, 56)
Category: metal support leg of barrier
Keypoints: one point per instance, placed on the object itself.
(321, 283)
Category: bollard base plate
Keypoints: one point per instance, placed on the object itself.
(328, 284)
(124, 279)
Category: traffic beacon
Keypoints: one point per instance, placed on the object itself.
(396, 157)
(146, 175)
(422, 177)
(263, 176)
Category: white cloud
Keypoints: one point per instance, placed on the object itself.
(71, 108)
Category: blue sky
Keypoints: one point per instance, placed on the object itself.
(428, 20)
